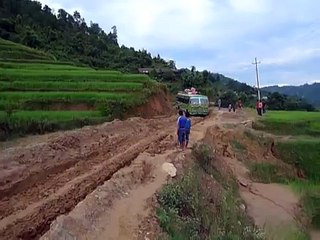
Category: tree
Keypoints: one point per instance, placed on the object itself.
(172, 65)
(47, 10)
(228, 97)
(276, 101)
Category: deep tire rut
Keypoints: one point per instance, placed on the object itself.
(38, 196)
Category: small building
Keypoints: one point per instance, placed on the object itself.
(158, 70)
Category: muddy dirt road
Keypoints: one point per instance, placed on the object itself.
(42, 180)
(97, 182)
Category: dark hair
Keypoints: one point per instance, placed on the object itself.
(187, 114)
(180, 112)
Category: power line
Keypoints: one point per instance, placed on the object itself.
(257, 76)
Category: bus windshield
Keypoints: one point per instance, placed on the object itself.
(194, 101)
(204, 101)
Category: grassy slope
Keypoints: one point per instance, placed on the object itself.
(303, 151)
(70, 86)
(292, 123)
(34, 80)
(10, 50)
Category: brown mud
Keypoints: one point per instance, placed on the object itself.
(99, 182)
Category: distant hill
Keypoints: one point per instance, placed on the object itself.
(309, 92)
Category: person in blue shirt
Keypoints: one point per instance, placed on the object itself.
(188, 127)
(181, 129)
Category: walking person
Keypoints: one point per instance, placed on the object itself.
(219, 103)
(230, 107)
(188, 128)
(181, 129)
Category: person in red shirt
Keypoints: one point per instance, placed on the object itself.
(260, 105)
(257, 106)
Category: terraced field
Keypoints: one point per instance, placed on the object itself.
(40, 94)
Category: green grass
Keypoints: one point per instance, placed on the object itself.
(17, 51)
(66, 96)
(291, 123)
(302, 151)
(39, 61)
(35, 80)
(47, 100)
(44, 66)
(269, 173)
(69, 75)
(39, 122)
(238, 146)
(310, 194)
(287, 232)
(49, 115)
(71, 86)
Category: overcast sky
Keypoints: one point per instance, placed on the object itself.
(219, 35)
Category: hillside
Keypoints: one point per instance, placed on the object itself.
(68, 37)
(40, 94)
(309, 92)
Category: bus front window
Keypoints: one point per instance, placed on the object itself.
(194, 101)
(204, 101)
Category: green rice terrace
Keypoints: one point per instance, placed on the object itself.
(298, 144)
(40, 94)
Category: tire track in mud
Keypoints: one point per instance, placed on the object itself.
(30, 202)
(42, 181)
(41, 185)
(34, 223)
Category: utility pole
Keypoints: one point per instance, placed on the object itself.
(257, 75)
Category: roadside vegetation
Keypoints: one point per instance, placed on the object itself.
(302, 150)
(204, 205)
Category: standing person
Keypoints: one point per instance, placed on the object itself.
(257, 107)
(240, 104)
(230, 106)
(181, 129)
(234, 107)
(219, 103)
(188, 127)
(260, 108)
(263, 107)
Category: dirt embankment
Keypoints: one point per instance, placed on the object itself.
(159, 104)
